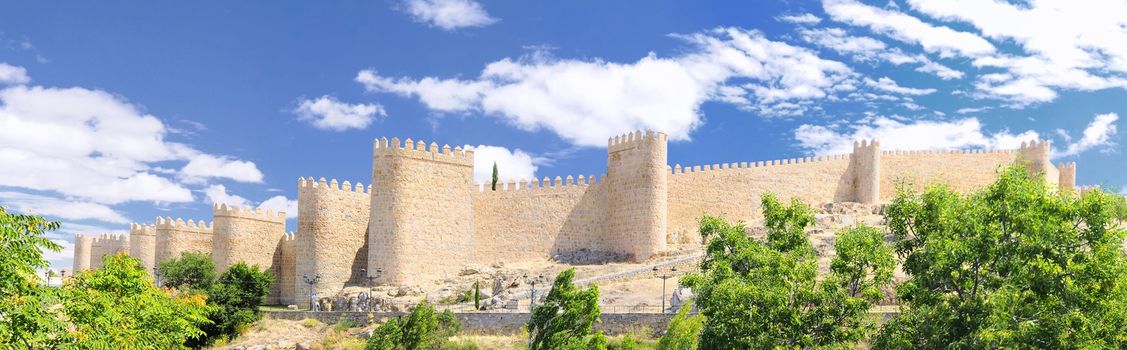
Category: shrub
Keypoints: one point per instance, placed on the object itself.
(565, 318)
(683, 332)
(422, 329)
(192, 271)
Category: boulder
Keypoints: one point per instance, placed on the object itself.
(476, 269)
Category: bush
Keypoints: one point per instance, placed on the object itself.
(234, 299)
(192, 271)
(310, 323)
(565, 318)
(422, 329)
(683, 332)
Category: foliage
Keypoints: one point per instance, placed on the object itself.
(234, 299)
(630, 341)
(27, 322)
(767, 294)
(477, 295)
(118, 307)
(1015, 265)
(565, 318)
(683, 332)
(493, 185)
(422, 329)
(192, 271)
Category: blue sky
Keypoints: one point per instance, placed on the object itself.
(115, 112)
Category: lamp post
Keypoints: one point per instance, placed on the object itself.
(663, 277)
(371, 281)
(48, 275)
(156, 276)
(312, 282)
(62, 277)
(532, 296)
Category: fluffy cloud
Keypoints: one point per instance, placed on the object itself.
(887, 84)
(281, 203)
(586, 102)
(10, 74)
(866, 49)
(92, 145)
(327, 113)
(511, 164)
(65, 209)
(449, 14)
(805, 18)
(915, 135)
(935, 39)
(1098, 134)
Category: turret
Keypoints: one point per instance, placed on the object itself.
(332, 240)
(175, 236)
(246, 235)
(83, 250)
(421, 223)
(637, 197)
(1036, 155)
(1067, 177)
(866, 170)
(143, 245)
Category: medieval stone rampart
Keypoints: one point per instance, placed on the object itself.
(246, 235)
(422, 219)
(176, 236)
(143, 245)
(332, 235)
(284, 269)
(83, 250)
(637, 195)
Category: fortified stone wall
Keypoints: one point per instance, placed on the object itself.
(83, 249)
(284, 267)
(537, 219)
(1067, 176)
(733, 190)
(637, 194)
(97, 248)
(422, 211)
(143, 245)
(961, 170)
(176, 236)
(332, 239)
(245, 234)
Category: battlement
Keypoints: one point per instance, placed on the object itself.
(635, 139)
(1067, 166)
(948, 151)
(678, 169)
(383, 147)
(168, 223)
(141, 229)
(546, 184)
(309, 184)
(248, 213)
(1040, 145)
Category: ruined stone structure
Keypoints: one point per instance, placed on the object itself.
(423, 218)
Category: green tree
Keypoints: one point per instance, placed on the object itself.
(683, 332)
(767, 295)
(565, 319)
(118, 307)
(234, 299)
(25, 321)
(495, 178)
(192, 271)
(1015, 265)
(422, 329)
(477, 295)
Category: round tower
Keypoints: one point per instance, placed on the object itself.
(246, 235)
(331, 245)
(143, 245)
(83, 245)
(638, 194)
(174, 237)
(866, 169)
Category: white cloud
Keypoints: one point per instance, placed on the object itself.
(327, 113)
(939, 70)
(91, 145)
(203, 166)
(916, 135)
(10, 74)
(805, 18)
(218, 194)
(449, 14)
(281, 203)
(935, 39)
(511, 164)
(1097, 134)
(887, 84)
(586, 102)
(973, 109)
(866, 49)
(61, 208)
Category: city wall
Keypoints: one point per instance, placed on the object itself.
(331, 244)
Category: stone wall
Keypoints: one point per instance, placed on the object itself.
(487, 322)
(962, 171)
(422, 211)
(535, 220)
(637, 195)
(284, 269)
(331, 241)
(83, 250)
(246, 235)
(176, 236)
(143, 245)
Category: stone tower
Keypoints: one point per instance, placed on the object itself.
(176, 236)
(637, 194)
(331, 246)
(1036, 154)
(245, 234)
(1067, 177)
(421, 223)
(143, 245)
(866, 170)
(83, 246)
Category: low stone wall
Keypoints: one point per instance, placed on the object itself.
(486, 322)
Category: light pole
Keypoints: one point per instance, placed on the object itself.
(371, 280)
(532, 296)
(48, 275)
(663, 277)
(312, 294)
(62, 277)
(156, 276)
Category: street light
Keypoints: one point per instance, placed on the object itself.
(371, 279)
(532, 297)
(663, 277)
(312, 294)
(48, 274)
